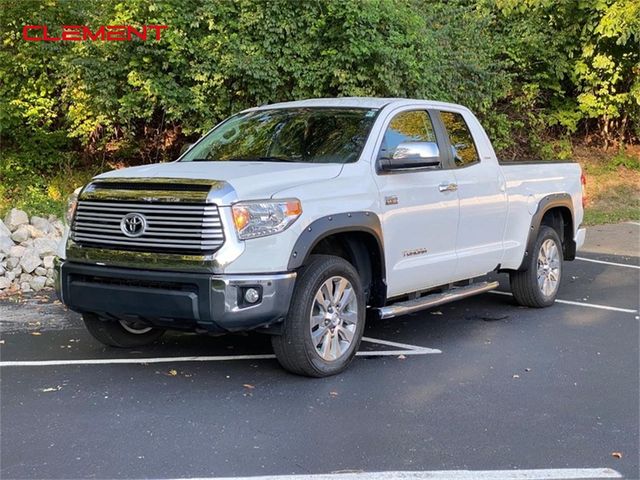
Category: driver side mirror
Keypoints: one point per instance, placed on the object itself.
(412, 155)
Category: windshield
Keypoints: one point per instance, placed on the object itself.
(309, 135)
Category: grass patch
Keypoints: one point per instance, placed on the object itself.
(613, 185)
(43, 195)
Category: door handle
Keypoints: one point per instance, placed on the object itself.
(448, 187)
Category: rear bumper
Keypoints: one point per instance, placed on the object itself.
(191, 301)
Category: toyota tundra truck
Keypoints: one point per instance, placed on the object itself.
(302, 219)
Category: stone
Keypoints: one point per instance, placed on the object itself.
(10, 276)
(34, 232)
(2, 256)
(5, 243)
(17, 251)
(30, 260)
(4, 283)
(15, 218)
(41, 224)
(4, 230)
(58, 227)
(37, 283)
(48, 261)
(2, 270)
(25, 278)
(25, 287)
(21, 234)
(40, 271)
(51, 272)
(45, 246)
(12, 262)
(50, 282)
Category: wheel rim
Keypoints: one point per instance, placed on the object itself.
(334, 318)
(548, 267)
(136, 328)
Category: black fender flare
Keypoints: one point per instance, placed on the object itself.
(323, 227)
(547, 203)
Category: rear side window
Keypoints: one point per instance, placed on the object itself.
(463, 148)
(413, 126)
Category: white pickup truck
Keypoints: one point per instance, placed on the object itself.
(303, 219)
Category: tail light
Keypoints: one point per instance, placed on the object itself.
(583, 181)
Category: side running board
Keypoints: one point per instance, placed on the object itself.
(455, 293)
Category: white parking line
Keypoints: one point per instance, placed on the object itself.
(408, 350)
(608, 263)
(401, 345)
(537, 474)
(579, 304)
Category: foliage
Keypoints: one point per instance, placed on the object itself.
(540, 73)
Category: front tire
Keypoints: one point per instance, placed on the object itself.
(324, 326)
(538, 285)
(120, 334)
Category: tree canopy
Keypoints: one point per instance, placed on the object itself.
(538, 72)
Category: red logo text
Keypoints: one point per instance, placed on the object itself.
(79, 33)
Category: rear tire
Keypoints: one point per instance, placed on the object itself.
(115, 334)
(323, 328)
(538, 285)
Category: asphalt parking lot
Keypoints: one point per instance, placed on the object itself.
(479, 385)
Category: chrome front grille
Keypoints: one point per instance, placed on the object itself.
(193, 228)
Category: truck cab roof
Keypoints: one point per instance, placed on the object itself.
(358, 102)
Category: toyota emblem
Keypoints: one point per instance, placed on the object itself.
(133, 224)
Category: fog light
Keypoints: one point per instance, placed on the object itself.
(251, 295)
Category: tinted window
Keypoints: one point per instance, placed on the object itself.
(313, 135)
(462, 146)
(414, 126)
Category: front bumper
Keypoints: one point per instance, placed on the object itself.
(190, 301)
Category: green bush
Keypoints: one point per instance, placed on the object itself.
(538, 72)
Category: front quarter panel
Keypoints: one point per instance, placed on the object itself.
(352, 191)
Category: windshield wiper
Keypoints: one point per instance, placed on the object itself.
(239, 159)
(272, 159)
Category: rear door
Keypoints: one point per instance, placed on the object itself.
(482, 195)
(419, 216)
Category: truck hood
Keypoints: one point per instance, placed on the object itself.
(251, 180)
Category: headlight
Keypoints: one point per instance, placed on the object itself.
(259, 219)
(72, 203)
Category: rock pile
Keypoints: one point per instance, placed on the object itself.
(27, 249)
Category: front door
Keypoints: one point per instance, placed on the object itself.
(420, 214)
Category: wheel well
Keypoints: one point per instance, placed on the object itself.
(561, 220)
(363, 251)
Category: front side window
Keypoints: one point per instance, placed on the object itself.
(407, 127)
(307, 135)
(462, 146)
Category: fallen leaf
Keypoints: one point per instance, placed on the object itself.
(616, 455)
(527, 369)
(172, 373)
(51, 389)
(333, 394)
(1, 342)
(516, 376)
(36, 334)
(437, 312)
(249, 386)
(401, 357)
